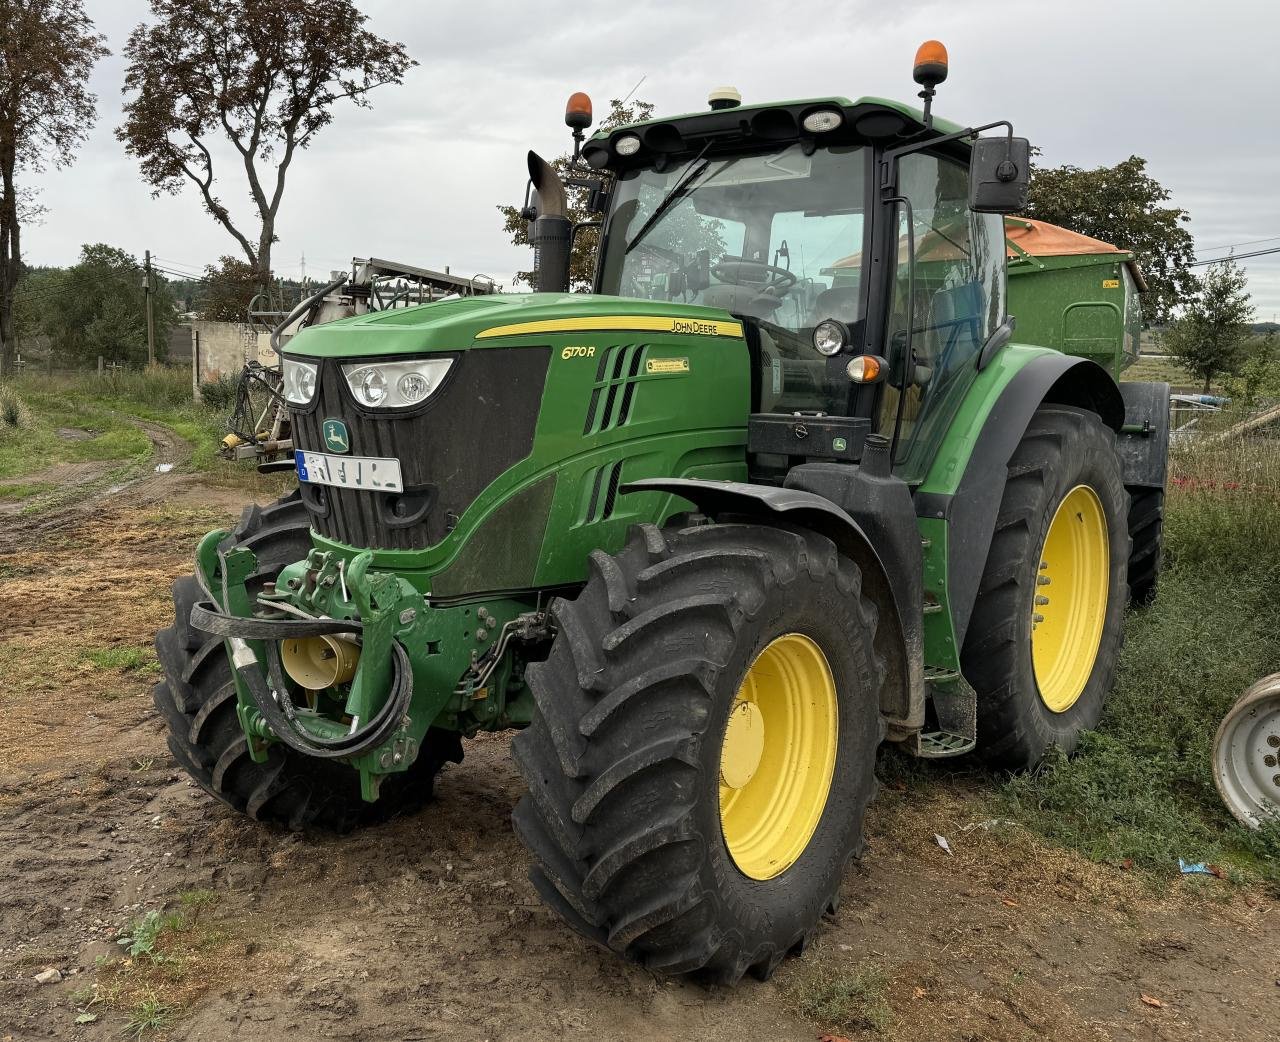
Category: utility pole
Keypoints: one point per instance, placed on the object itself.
(151, 321)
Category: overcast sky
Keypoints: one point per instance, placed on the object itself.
(1187, 84)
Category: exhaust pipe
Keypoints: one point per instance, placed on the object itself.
(550, 231)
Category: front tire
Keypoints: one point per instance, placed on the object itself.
(1044, 638)
(197, 700)
(662, 823)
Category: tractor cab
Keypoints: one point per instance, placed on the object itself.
(847, 239)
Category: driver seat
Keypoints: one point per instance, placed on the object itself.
(840, 302)
(740, 300)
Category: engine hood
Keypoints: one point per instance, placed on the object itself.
(501, 320)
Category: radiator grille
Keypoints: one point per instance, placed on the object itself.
(480, 423)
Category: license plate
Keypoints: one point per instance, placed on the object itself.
(360, 472)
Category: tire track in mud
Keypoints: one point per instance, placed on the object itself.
(167, 448)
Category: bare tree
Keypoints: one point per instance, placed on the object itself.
(264, 74)
(47, 50)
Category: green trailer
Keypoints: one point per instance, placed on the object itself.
(786, 485)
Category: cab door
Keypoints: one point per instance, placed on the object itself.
(955, 298)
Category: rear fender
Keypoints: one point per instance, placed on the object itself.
(971, 510)
(899, 638)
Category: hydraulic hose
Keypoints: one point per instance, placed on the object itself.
(273, 699)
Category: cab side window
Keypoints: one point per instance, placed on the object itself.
(957, 302)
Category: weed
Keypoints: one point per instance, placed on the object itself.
(195, 901)
(848, 999)
(142, 764)
(142, 935)
(13, 413)
(149, 1015)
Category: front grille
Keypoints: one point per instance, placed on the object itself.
(480, 423)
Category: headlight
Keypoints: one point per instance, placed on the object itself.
(830, 336)
(395, 385)
(299, 381)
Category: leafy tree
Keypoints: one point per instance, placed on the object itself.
(264, 74)
(582, 262)
(229, 289)
(1123, 205)
(98, 307)
(1258, 376)
(47, 50)
(1211, 336)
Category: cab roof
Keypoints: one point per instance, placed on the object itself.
(779, 122)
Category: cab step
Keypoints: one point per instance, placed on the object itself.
(937, 745)
(954, 715)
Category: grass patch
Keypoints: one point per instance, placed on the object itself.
(124, 659)
(149, 1015)
(23, 490)
(848, 1000)
(169, 959)
(1141, 787)
(105, 407)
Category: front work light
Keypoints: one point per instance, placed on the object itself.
(299, 381)
(395, 385)
(627, 145)
(822, 121)
(830, 337)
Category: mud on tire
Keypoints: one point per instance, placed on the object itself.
(622, 758)
(197, 701)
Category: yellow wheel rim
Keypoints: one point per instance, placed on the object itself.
(778, 756)
(1070, 599)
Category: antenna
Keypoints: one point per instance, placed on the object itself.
(633, 90)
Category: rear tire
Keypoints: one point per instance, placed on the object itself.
(1146, 534)
(197, 700)
(624, 755)
(1063, 449)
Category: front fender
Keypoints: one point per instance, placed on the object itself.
(899, 638)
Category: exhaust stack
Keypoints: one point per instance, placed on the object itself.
(550, 230)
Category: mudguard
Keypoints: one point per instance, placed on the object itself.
(900, 641)
(1144, 441)
(971, 511)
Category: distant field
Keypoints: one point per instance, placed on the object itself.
(1166, 370)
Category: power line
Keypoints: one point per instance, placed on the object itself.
(1234, 256)
(1233, 245)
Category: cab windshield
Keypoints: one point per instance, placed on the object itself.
(776, 237)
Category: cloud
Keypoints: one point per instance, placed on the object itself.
(417, 176)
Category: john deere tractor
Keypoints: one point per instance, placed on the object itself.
(785, 485)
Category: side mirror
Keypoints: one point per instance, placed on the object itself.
(999, 174)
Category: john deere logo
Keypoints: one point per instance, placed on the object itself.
(335, 436)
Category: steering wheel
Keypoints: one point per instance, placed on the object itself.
(735, 270)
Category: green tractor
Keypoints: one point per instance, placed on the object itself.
(785, 486)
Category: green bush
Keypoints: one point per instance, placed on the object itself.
(220, 394)
(13, 414)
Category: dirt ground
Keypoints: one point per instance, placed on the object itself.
(426, 928)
